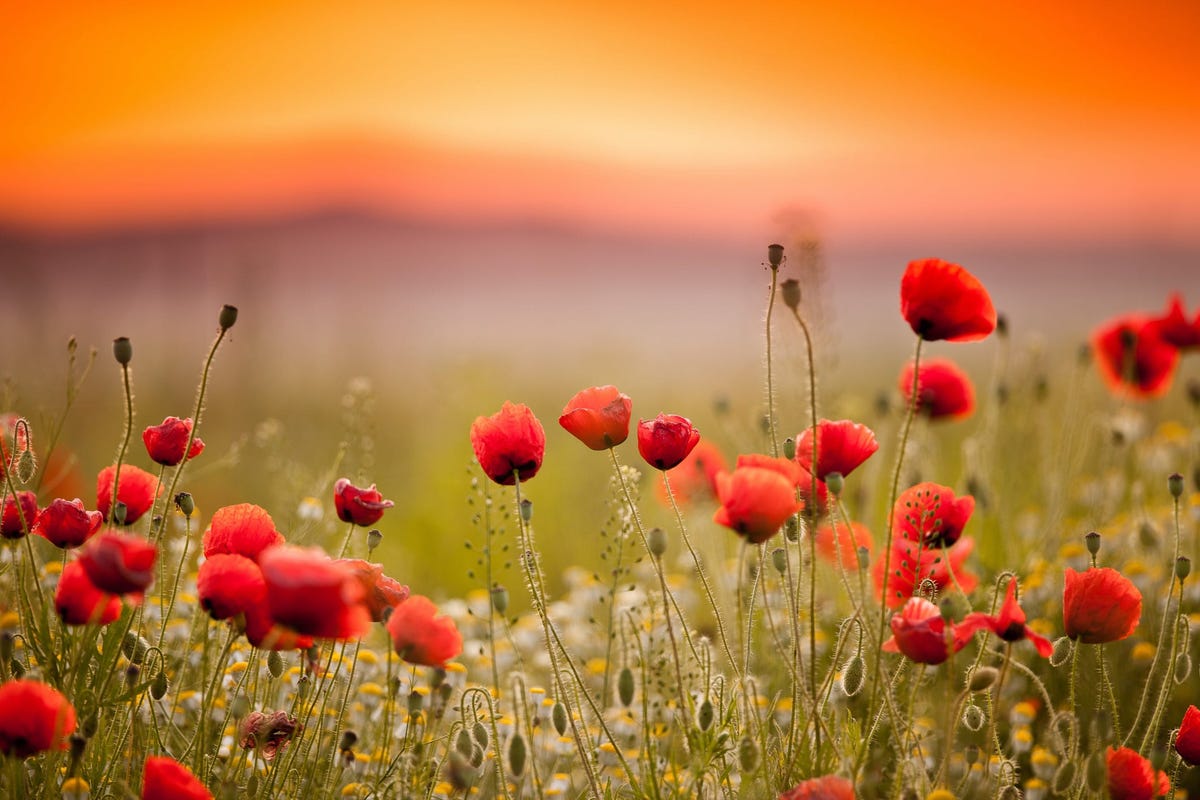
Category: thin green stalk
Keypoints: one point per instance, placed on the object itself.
(128, 432)
(487, 556)
(770, 370)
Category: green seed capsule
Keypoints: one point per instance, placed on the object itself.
(558, 715)
(656, 541)
(499, 599)
(789, 448)
(625, 686)
(227, 317)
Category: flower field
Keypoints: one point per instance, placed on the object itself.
(955, 592)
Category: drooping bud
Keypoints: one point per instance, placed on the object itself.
(973, 718)
(625, 686)
(1097, 771)
(26, 466)
(656, 541)
(479, 732)
(134, 647)
(791, 293)
(774, 255)
(854, 675)
(516, 754)
(558, 716)
(122, 350)
(463, 743)
(748, 755)
(158, 689)
(228, 317)
(982, 679)
(1064, 778)
(1061, 651)
(704, 715)
(1183, 668)
(1175, 484)
(274, 663)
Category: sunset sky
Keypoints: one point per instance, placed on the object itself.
(1059, 121)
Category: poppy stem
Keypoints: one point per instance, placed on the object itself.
(346, 541)
(487, 556)
(1168, 680)
(128, 390)
(770, 370)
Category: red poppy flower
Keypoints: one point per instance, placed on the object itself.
(1131, 777)
(166, 442)
(17, 520)
(696, 476)
(843, 549)
(228, 584)
(841, 447)
(361, 506)
(931, 513)
(827, 787)
(34, 718)
(511, 440)
(137, 489)
(269, 733)
(165, 778)
(940, 300)
(313, 595)
(1133, 358)
(1100, 605)
(1173, 327)
(1187, 742)
(943, 390)
(263, 633)
(379, 591)
(598, 417)
(244, 529)
(758, 496)
(666, 440)
(79, 602)
(1009, 625)
(913, 563)
(421, 637)
(67, 523)
(920, 633)
(119, 563)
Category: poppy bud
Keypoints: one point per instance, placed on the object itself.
(1061, 651)
(982, 678)
(158, 688)
(131, 675)
(971, 754)
(1175, 484)
(748, 754)
(185, 504)
(656, 541)
(1092, 540)
(526, 510)
(122, 350)
(791, 293)
(134, 647)
(26, 466)
(479, 732)
(6, 646)
(853, 675)
(625, 686)
(558, 716)
(120, 512)
(973, 718)
(789, 448)
(1183, 567)
(779, 559)
(516, 754)
(774, 255)
(1097, 771)
(16, 668)
(463, 743)
(1183, 668)
(1064, 778)
(374, 537)
(274, 663)
(499, 599)
(704, 715)
(227, 317)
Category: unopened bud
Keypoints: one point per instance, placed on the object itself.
(499, 597)
(158, 689)
(1183, 567)
(790, 290)
(558, 716)
(973, 718)
(26, 466)
(134, 647)
(122, 350)
(835, 482)
(1097, 771)
(1092, 540)
(374, 537)
(526, 510)
(625, 686)
(274, 663)
(779, 559)
(120, 511)
(463, 743)
(185, 504)
(864, 558)
(982, 679)
(131, 675)
(789, 448)
(1175, 484)
(656, 541)
(349, 739)
(1060, 652)
(748, 754)
(1064, 778)
(479, 731)
(16, 668)
(1183, 668)
(90, 725)
(517, 753)
(415, 702)
(774, 255)
(854, 675)
(971, 754)
(227, 317)
(704, 715)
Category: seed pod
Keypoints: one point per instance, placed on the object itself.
(779, 559)
(835, 482)
(656, 541)
(1061, 651)
(1183, 567)
(748, 754)
(775, 255)
(983, 678)
(558, 715)
(499, 597)
(374, 538)
(704, 715)
(415, 702)
(122, 350)
(625, 686)
(973, 718)
(526, 510)
(1175, 485)
(274, 663)
(1092, 540)
(227, 317)
(516, 754)
(789, 445)
(186, 504)
(790, 289)
(158, 688)
(853, 675)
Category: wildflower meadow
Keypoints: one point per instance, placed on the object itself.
(962, 589)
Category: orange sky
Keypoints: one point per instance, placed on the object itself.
(886, 119)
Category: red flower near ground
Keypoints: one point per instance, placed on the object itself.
(666, 440)
(243, 529)
(827, 787)
(913, 563)
(1009, 625)
(1133, 358)
(67, 523)
(79, 602)
(598, 417)
(361, 506)
(269, 733)
(1131, 777)
(1173, 327)
(19, 515)
(843, 549)
(119, 563)
(758, 496)
(165, 778)
(920, 633)
(379, 591)
(1100, 605)
(229, 584)
(421, 637)
(510, 441)
(166, 442)
(312, 594)
(137, 489)
(940, 300)
(1187, 742)
(841, 447)
(696, 476)
(943, 390)
(931, 513)
(34, 718)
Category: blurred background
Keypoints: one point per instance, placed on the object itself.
(425, 209)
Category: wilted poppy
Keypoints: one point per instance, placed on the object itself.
(940, 300)
(1174, 328)
(361, 506)
(841, 447)
(920, 633)
(379, 591)
(1132, 777)
(758, 496)
(137, 489)
(267, 733)
(313, 595)
(166, 442)
(843, 549)
(913, 563)
(1100, 605)
(943, 390)
(931, 513)
(419, 636)
(510, 441)
(79, 602)
(67, 523)
(119, 563)
(228, 584)
(19, 515)
(666, 440)
(1133, 358)
(34, 718)
(244, 529)
(1187, 741)
(826, 787)
(598, 417)
(164, 778)
(1009, 624)
(696, 476)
